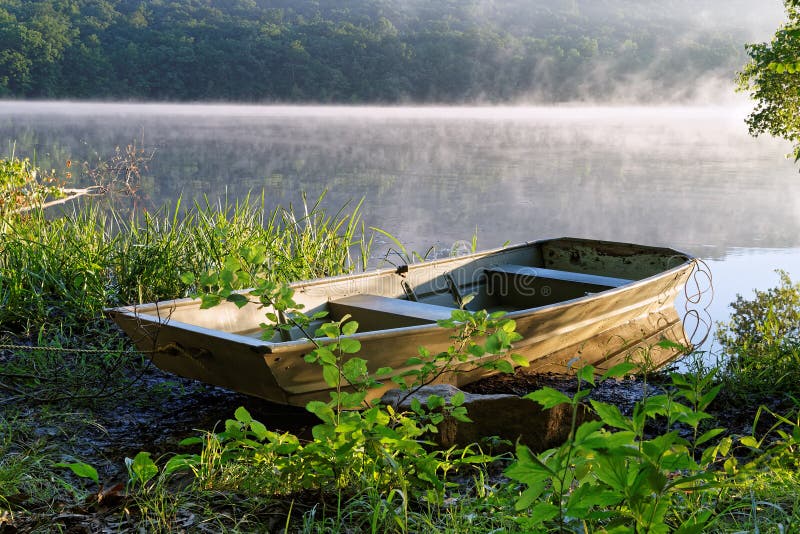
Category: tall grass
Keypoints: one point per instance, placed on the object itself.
(66, 269)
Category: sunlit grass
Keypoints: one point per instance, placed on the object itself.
(67, 269)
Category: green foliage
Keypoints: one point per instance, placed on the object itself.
(75, 265)
(364, 51)
(81, 469)
(772, 78)
(761, 342)
(610, 474)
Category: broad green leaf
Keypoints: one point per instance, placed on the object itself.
(188, 278)
(528, 468)
(330, 330)
(544, 511)
(460, 414)
(586, 373)
(330, 373)
(181, 461)
(238, 299)
(509, 325)
(349, 328)
(325, 355)
(613, 471)
(493, 344)
(142, 467)
(242, 415)
(750, 441)
(530, 495)
(194, 440)
(520, 360)
(586, 429)
(709, 396)
(259, 430)
(321, 410)
(621, 369)
(504, 366)
(209, 301)
(611, 415)
(81, 469)
(435, 401)
(348, 345)
(354, 369)
(548, 397)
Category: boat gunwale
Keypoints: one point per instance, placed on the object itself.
(260, 347)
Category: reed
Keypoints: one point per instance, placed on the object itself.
(67, 269)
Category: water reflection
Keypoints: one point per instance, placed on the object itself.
(688, 178)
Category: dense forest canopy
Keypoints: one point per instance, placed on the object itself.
(367, 50)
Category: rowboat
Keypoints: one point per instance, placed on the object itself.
(564, 295)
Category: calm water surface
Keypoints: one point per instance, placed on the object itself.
(689, 178)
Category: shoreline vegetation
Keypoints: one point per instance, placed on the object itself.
(709, 449)
(369, 51)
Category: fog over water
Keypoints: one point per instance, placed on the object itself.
(686, 177)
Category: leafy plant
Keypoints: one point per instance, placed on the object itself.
(761, 342)
(610, 474)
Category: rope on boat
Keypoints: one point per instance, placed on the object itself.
(698, 299)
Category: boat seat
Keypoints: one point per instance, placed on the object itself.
(553, 274)
(525, 287)
(375, 312)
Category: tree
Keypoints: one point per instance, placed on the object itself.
(772, 77)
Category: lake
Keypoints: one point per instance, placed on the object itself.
(689, 178)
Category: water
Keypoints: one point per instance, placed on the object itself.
(689, 178)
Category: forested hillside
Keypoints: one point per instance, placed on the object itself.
(362, 50)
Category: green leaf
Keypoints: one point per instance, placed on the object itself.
(238, 299)
(349, 345)
(209, 301)
(457, 399)
(321, 410)
(586, 429)
(493, 344)
(382, 371)
(544, 511)
(611, 415)
(621, 369)
(330, 373)
(180, 461)
(530, 495)
(81, 469)
(548, 397)
(586, 373)
(435, 401)
(521, 361)
(528, 468)
(354, 369)
(325, 355)
(188, 278)
(349, 328)
(330, 330)
(141, 467)
(242, 415)
(504, 366)
(750, 441)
